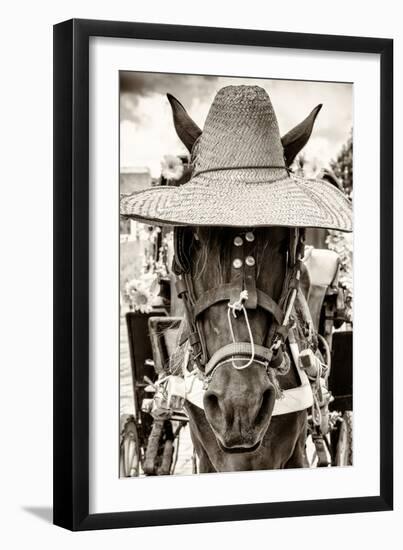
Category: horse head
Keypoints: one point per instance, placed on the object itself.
(241, 393)
(234, 330)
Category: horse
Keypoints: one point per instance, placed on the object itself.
(236, 429)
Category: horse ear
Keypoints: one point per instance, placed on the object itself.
(187, 130)
(298, 137)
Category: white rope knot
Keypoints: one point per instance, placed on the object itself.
(235, 307)
(238, 305)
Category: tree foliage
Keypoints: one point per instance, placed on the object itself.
(343, 166)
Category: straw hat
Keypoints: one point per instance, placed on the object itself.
(240, 177)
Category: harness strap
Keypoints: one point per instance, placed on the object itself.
(227, 291)
(237, 266)
(250, 276)
(266, 302)
(180, 286)
(192, 334)
(240, 349)
(293, 246)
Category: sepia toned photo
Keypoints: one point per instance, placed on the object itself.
(236, 274)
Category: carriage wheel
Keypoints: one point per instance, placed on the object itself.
(175, 454)
(166, 459)
(129, 449)
(153, 448)
(344, 446)
(195, 466)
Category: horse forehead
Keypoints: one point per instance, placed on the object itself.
(217, 248)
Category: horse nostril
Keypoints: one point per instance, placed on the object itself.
(211, 402)
(265, 405)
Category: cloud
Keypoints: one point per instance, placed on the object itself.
(143, 143)
(134, 85)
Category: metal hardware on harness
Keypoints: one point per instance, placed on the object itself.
(312, 365)
(317, 373)
(320, 424)
(282, 331)
(320, 419)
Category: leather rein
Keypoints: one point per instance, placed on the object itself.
(241, 295)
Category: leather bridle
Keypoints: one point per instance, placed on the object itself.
(240, 293)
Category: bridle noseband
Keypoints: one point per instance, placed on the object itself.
(241, 295)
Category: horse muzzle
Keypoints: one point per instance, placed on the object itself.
(238, 405)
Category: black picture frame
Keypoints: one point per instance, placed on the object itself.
(71, 273)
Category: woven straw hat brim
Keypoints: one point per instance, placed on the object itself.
(235, 198)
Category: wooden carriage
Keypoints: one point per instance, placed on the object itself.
(149, 438)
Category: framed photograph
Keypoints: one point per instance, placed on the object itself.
(223, 293)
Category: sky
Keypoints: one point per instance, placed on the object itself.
(147, 132)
